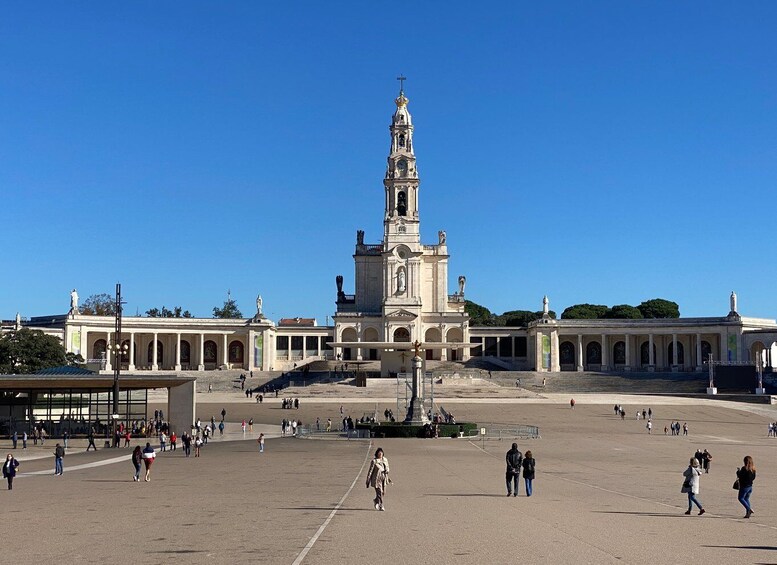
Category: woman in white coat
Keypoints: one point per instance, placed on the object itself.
(691, 485)
(377, 477)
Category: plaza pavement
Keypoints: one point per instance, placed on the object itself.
(605, 492)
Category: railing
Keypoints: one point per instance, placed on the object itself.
(376, 249)
(503, 431)
(346, 299)
(309, 432)
(456, 298)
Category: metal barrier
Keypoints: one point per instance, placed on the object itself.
(306, 432)
(500, 432)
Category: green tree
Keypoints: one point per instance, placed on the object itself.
(176, 312)
(478, 315)
(624, 312)
(28, 351)
(659, 308)
(521, 318)
(584, 312)
(99, 305)
(229, 310)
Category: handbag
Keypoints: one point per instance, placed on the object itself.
(735, 486)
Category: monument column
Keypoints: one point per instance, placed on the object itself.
(651, 354)
(579, 353)
(201, 358)
(131, 366)
(154, 361)
(605, 359)
(178, 352)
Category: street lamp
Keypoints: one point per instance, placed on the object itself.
(119, 350)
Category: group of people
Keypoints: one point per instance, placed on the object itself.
(743, 484)
(289, 403)
(289, 427)
(675, 428)
(772, 429)
(517, 463)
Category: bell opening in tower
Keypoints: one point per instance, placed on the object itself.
(402, 204)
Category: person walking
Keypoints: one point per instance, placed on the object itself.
(514, 459)
(15, 439)
(24, 440)
(706, 461)
(90, 437)
(137, 458)
(9, 469)
(250, 425)
(243, 426)
(148, 459)
(197, 446)
(163, 441)
(377, 477)
(528, 471)
(744, 483)
(173, 441)
(260, 441)
(65, 438)
(59, 455)
(691, 485)
(649, 427)
(187, 444)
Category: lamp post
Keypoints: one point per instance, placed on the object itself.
(119, 350)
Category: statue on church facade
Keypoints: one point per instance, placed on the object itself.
(73, 302)
(401, 283)
(733, 300)
(360, 237)
(441, 234)
(545, 305)
(462, 284)
(258, 305)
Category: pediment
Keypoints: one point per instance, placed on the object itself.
(401, 314)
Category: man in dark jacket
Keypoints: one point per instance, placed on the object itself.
(59, 455)
(513, 458)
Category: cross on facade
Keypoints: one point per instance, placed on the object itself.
(401, 79)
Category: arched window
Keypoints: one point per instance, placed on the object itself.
(186, 352)
(211, 351)
(644, 353)
(706, 351)
(236, 352)
(593, 353)
(619, 353)
(402, 335)
(98, 349)
(402, 204)
(567, 353)
(680, 353)
(159, 352)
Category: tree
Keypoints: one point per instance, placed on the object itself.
(659, 308)
(624, 312)
(28, 351)
(99, 305)
(176, 312)
(229, 310)
(584, 312)
(478, 315)
(521, 318)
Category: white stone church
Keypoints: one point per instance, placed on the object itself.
(402, 296)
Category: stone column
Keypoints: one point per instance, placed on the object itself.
(651, 356)
(178, 352)
(555, 363)
(288, 350)
(84, 351)
(225, 357)
(201, 359)
(579, 353)
(131, 366)
(155, 360)
(699, 360)
(674, 352)
(605, 357)
(108, 356)
(627, 339)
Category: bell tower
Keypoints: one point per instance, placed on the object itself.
(401, 221)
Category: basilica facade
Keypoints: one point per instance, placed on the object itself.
(401, 295)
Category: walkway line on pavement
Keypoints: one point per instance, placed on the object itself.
(82, 466)
(321, 529)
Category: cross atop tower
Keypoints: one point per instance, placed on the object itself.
(401, 79)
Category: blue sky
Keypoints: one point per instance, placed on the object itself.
(602, 152)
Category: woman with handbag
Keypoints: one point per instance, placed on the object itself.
(744, 484)
(377, 477)
(691, 485)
